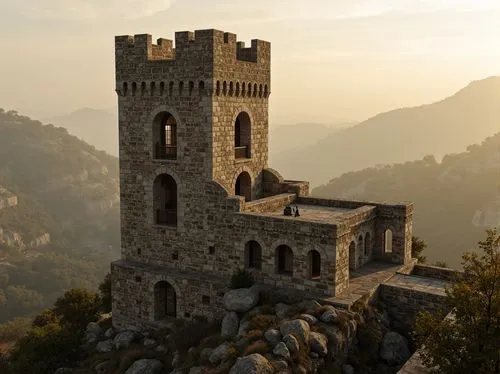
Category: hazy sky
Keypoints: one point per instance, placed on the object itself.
(331, 59)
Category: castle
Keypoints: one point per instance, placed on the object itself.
(198, 200)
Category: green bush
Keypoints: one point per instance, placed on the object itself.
(241, 279)
(77, 308)
(105, 293)
(45, 318)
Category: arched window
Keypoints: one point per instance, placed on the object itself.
(243, 186)
(191, 87)
(242, 131)
(224, 88)
(143, 88)
(237, 91)
(243, 89)
(165, 301)
(361, 244)
(367, 244)
(181, 88)
(217, 88)
(134, 88)
(314, 260)
(266, 92)
(201, 87)
(388, 241)
(162, 88)
(170, 88)
(352, 256)
(253, 255)
(165, 136)
(125, 88)
(249, 94)
(152, 88)
(165, 200)
(284, 260)
(260, 90)
(255, 90)
(231, 88)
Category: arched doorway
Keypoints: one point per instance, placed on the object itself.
(253, 255)
(284, 260)
(243, 186)
(165, 136)
(352, 256)
(314, 260)
(165, 301)
(242, 131)
(165, 200)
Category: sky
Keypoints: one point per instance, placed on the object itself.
(332, 60)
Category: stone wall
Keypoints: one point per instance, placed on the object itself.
(403, 304)
(435, 272)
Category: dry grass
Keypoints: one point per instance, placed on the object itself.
(259, 346)
(253, 335)
(262, 322)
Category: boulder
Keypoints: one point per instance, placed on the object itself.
(205, 355)
(273, 336)
(282, 310)
(281, 350)
(329, 316)
(230, 324)
(280, 366)
(93, 328)
(198, 370)
(291, 343)
(176, 358)
(318, 343)
(241, 299)
(243, 329)
(394, 348)
(338, 346)
(109, 333)
(123, 339)
(145, 366)
(105, 346)
(311, 320)
(219, 354)
(309, 306)
(347, 369)
(148, 342)
(161, 348)
(297, 327)
(252, 364)
(102, 367)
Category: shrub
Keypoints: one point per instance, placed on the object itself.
(261, 322)
(45, 318)
(190, 334)
(254, 335)
(241, 279)
(105, 293)
(77, 308)
(14, 329)
(259, 346)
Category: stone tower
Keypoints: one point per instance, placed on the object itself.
(184, 120)
(198, 201)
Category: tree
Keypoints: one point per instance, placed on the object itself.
(105, 293)
(468, 340)
(77, 308)
(417, 247)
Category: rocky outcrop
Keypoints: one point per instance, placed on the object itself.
(145, 366)
(252, 364)
(241, 299)
(394, 349)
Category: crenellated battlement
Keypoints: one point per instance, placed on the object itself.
(188, 44)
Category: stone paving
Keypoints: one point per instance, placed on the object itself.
(313, 213)
(365, 281)
(418, 283)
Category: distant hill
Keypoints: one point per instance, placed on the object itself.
(300, 135)
(455, 200)
(63, 229)
(95, 126)
(447, 126)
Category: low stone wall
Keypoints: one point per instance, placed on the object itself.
(269, 204)
(403, 304)
(435, 272)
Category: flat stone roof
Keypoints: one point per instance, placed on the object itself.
(311, 213)
(418, 283)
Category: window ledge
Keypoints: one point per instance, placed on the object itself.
(242, 160)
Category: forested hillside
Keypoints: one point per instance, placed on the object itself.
(64, 229)
(455, 200)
